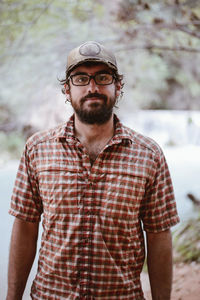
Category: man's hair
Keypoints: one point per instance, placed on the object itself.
(118, 77)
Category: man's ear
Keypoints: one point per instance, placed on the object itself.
(118, 88)
(67, 89)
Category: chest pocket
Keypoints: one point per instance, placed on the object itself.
(123, 195)
(58, 189)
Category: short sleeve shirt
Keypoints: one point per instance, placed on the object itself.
(93, 215)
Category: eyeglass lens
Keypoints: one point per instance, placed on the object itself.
(84, 79)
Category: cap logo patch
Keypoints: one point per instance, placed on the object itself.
(90, 49)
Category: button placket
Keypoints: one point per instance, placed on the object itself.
(86, 162)
(85, 245)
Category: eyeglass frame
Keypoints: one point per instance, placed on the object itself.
(92, 77)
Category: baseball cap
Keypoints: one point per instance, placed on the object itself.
(90, 51)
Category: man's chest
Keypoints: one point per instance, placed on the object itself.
(113, 185)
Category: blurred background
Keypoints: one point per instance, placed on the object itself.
(157, 45)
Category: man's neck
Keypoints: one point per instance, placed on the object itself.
(92, 133)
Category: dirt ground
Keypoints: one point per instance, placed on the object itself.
(186, 282)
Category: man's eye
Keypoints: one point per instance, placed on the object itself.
(81, 79)
(103, 77)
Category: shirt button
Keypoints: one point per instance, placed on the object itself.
(88, 211)
(83, 285)
(85, 241)
(85, 218)
(74, 280)
(80, 261)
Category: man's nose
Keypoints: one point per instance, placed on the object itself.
(92, 86)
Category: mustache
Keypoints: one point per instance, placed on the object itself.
(94, 95)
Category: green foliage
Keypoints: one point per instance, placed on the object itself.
(35, 39)
(11, 143)
(170, 31)
(22, 20)
(157, 45)
(16, 18)
(187, 241)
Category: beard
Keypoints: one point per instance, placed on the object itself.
(97, 112)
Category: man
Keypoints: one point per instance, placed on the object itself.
(97, 184)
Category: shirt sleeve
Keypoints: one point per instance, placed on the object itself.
(25, 202)
(159, 210)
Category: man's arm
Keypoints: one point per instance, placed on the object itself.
(159, 261)
(22, 253)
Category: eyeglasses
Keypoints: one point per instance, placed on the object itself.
(84, 79)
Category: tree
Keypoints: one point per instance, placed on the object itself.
(35, 39)
(156, 43)
(164, 35)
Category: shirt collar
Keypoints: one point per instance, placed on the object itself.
(122, 134)
(67, 130)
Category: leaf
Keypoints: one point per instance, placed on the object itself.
(147, 6)
(158, 21)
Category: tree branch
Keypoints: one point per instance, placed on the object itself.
(157, 47)
(185, 29)
(34, 21)
(171, 26)
(24, 34)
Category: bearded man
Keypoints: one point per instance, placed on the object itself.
(99, 186)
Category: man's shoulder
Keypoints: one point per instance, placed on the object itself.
(46, 136)
(141, 141)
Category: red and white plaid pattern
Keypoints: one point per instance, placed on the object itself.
(92, 243)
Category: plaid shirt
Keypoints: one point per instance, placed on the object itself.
(92, 244)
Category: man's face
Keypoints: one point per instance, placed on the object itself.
(93, 103)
